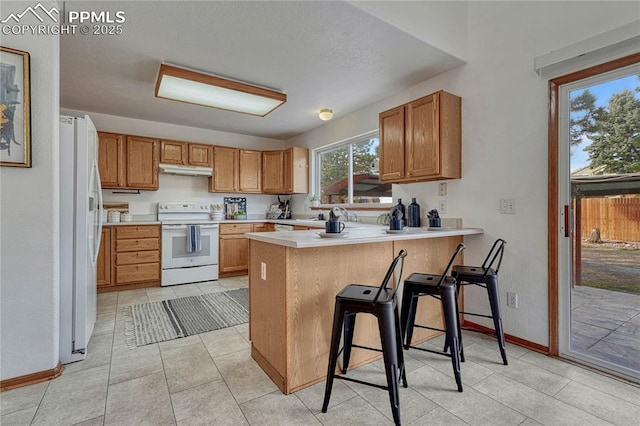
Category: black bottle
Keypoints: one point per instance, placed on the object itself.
(414, 214)
(403, 210)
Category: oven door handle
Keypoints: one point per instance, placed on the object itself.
(172, 227)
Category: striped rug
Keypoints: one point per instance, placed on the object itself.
(154, 322)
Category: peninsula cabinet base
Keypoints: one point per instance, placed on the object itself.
(292, 295)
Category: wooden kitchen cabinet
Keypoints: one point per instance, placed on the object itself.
(263, 227)
(250, 171)
(422, 140)
(233, 250)
(142, 163)
(285, 172)
(200, 155)
(128, 162)
(236, 170)
(137, 254)
(111, 159)
(103, 264)
(225, 170)
(173, 152)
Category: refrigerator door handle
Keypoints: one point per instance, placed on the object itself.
(95, 178)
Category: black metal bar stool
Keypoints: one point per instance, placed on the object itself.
(382, 303)
(441, 287)
(485, 276)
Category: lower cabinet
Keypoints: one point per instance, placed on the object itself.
(233, 252)
(103, 265)
(129, 256)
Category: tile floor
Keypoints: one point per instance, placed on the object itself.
(210, 379)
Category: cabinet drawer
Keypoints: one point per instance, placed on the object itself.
(137, 273)
(144, 231)
(263, 227)
(138, 244)
(130, 258)
(235, 228)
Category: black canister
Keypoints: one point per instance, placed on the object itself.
(403, 210)
(414, 214)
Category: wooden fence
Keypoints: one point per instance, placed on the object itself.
(617, 218)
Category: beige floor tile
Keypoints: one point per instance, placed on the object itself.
(132, 297)
(412, 404)
(243, 329)
(278, 409)
(22, 398)
(98, 353)
(617, 388)
(354, 411)
(98, 421)
(105, 324)
(440, 417)
(470, 405)
(19, 418)
(74, 397)
(224, 341)
(313, 396)
(211, 403)
(188, 366)
(107, 302)
(530, 375)
(534, 404)
(211, 287)
(600, 404)
(245, 378)
(141, 401)
(127, 364)
(185, 290)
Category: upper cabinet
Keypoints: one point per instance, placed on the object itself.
(142, 163)
(183, 153)
(422, 140)
(285, 172)
(128, 162)
(250, 171)
(225, 170)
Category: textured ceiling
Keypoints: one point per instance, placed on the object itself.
(321, 54)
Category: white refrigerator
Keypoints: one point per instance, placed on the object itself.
(80, 232)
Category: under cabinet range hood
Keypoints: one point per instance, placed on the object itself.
(175, 169)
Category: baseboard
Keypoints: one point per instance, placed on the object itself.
(509, 338)
(31, 379)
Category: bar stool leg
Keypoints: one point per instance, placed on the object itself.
(403, 370)
(449, 306)
(446, 343)
(404, 312)
(411, 319)
(349, 329)
(494, 301)
(387, 326)
(338, 316)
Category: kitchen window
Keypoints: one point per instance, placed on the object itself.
(347, 172)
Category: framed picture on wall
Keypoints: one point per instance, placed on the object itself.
(15, 108)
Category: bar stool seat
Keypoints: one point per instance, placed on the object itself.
(441, 287)
(382, 303)
(485, 276)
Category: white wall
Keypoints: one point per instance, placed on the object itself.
(29, 227)
(505, 108)
(180, 188)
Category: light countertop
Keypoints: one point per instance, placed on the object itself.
(357, 235)
(138, 222)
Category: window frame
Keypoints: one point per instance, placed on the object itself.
(315, 170)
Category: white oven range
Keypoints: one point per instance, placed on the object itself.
(183, 261)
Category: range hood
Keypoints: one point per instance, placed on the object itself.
(175, 169)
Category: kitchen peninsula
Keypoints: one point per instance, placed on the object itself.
(295, 276)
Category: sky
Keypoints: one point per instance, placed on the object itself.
(602, 92)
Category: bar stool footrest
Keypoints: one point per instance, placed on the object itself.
(362, 382)
(447, 354)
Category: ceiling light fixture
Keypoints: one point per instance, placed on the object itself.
(193, 87)
(325, 114)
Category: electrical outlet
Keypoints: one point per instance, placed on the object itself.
(507, 206)
(442, 189)
(512, 300)
(442, 206)
(263, 271)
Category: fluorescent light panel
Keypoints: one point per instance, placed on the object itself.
(203, 89)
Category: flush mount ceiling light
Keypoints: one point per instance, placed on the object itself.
(193, 87)
(325, 114)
